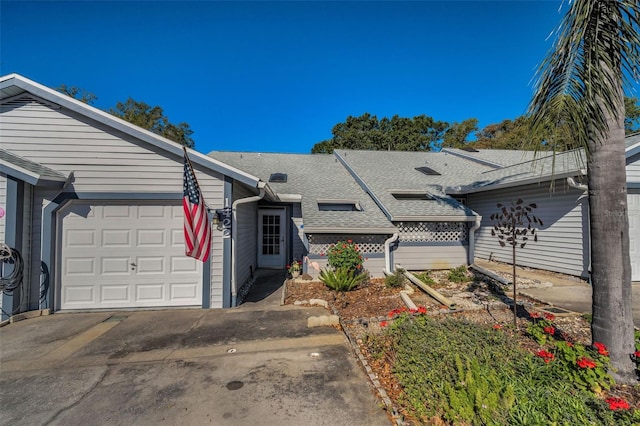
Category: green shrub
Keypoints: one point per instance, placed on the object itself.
(341, 279)
(465, 373)
(459, 275)
(425, 277)
(345, 254)
(395, 280)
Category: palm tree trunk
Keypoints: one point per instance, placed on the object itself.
(610, 263)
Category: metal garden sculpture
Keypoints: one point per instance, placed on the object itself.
(513, 227)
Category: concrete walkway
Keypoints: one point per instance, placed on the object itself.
(562, 291)
(250, 365)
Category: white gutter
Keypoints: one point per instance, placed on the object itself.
(234, 227)
(472, 239)
(572, 183)
(387, 252)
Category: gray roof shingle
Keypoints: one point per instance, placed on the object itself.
(315, 177)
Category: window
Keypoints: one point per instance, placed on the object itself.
(427, 171)
(278, 177)
(411, 196)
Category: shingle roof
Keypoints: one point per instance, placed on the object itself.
(389, 172)
(499, 157)
(541, 169)
(315, 177)
(29, 171)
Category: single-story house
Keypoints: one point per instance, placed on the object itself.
(93, 203)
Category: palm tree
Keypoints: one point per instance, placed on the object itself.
(580, 84)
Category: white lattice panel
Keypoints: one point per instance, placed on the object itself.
(433, 231)
(320, 243)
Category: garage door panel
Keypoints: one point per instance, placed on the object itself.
(116, 238)
(123, 256)
(151, 238)
(115, 266)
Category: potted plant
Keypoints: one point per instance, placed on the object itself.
(295, 268)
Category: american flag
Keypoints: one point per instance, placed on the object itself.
(197, 231)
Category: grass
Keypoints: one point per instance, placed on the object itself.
(464, 373)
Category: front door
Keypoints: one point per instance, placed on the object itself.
(271, 238)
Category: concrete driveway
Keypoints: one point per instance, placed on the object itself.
(190, 367)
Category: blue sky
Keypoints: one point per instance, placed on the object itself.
(277, 76)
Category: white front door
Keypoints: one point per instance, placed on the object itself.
(271, 238)
(125, 255)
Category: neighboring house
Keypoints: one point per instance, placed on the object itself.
(93, 203)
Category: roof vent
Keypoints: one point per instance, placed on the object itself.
(278, 177)
(339, 206)
(469, 149)
(427, 171)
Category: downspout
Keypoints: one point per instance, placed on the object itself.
(582, 187)
(387, 252)
(234, 227)
(472, 239)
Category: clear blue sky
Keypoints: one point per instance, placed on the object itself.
(276, 76)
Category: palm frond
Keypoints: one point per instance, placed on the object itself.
(597, 49)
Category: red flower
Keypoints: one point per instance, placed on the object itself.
(383, 323)
(602, 349)
(349, 241)
(546, 356)
(534, 315)
(549, 330)
(497, 326)
(585, 362)
(617, 404)
(636, 354)
(422, 310)
(549, 316)
(413, 311)
(570, 344)
(288, 266)
(321, 254)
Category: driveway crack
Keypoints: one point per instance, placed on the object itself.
(91, 389)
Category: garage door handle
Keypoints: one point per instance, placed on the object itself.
(133, 264)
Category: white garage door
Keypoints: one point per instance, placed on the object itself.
(125, 256)
(634, 235)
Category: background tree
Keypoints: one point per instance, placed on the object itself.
(631, 115)
(457, 134)
(154, 120)
(77, 93)
(580, 86)
(140, 114)
(420, 133)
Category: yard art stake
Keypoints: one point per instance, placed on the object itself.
(197, 231)
(512, 226)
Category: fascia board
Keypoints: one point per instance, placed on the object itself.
(116, 123)
(537, 179)
(434, 218)
(336, 230)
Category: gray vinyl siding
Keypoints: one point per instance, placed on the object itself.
(430, 256)
(562, 244)
(633, 169)
(103, 160)
(3, 204)
(246, 238)
(298, 249)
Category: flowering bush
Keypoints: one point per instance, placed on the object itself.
(617, 404)
(541, 329)
(345, 254)
(295, 266)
